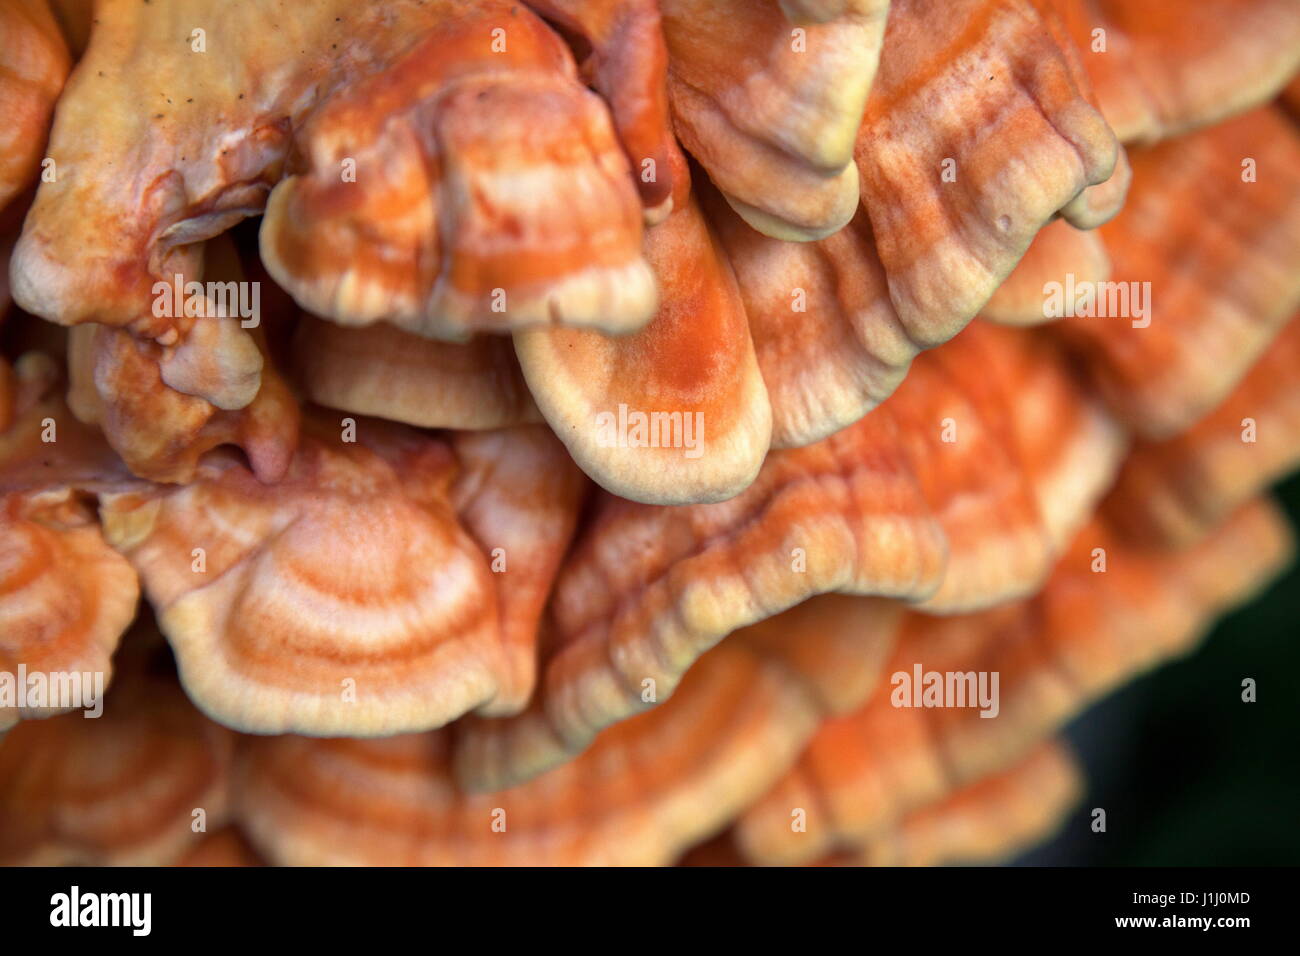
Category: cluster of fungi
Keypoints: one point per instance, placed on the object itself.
(365, 575)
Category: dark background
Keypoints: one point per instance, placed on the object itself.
(1187, 773)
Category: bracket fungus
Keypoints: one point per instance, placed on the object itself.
(1082, 634)
(357, 565)
(1190, 305)
(628, 66)
(892, 506)
(208, 149)
(770, 109)
(988, 820)
(385, 372)
(133, 787)
(65, 595)
(1165, 67)
(34, 63)
(677, 412)
(741, 713)
(1175, 490)
(634, 398)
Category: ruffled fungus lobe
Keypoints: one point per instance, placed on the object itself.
(489, 191)
(34, 63)
(988, 820)
(628, 66)
(826, 337)
(1177, 489)
(163, 407)
(958, 176)
(770, 109)
(133, 204)
(124, 789)
(673, 414)
(1164, 67)
(1064, 437)
(161, 432)
(347, 598)
(65, 595)
(518, 494)
(1086, 631)
(837, 643)
(403, 377)
(1059, 253)
(948, 494)
(740, 714)
(1193, 302)
(944, 218)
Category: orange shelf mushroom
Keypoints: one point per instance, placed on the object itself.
(770, 108)
(755, 270)
(743, 711)
(1162, 68)
(349, 598)
(1191, 303)
(988, 820)
(1087, 630)
(387, 373)
(34, 63)
(393, 237)
(163, 407)
(135, 786)
(676, 413)
(65, 595)
(628, 66)
(1177, 489)
(940, 497)
(212, 144)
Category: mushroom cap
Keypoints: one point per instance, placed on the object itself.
(835, 643)
(383, 371)
(518, 495)
(958, 176)
(1055, 653)
(65, 595)
(1065, 438)
(628, 66)
(162, 433)
(490, 192)
(1178, 489)
(1215, 291)
(988, 820)
(771, 111)
(826, 337)
(122, 789)
(134, 204)
(348, 598)
(1163, 68)
(886, 507)
(34, 62)
(739, 715)
(1058, 251)
(676, 413)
